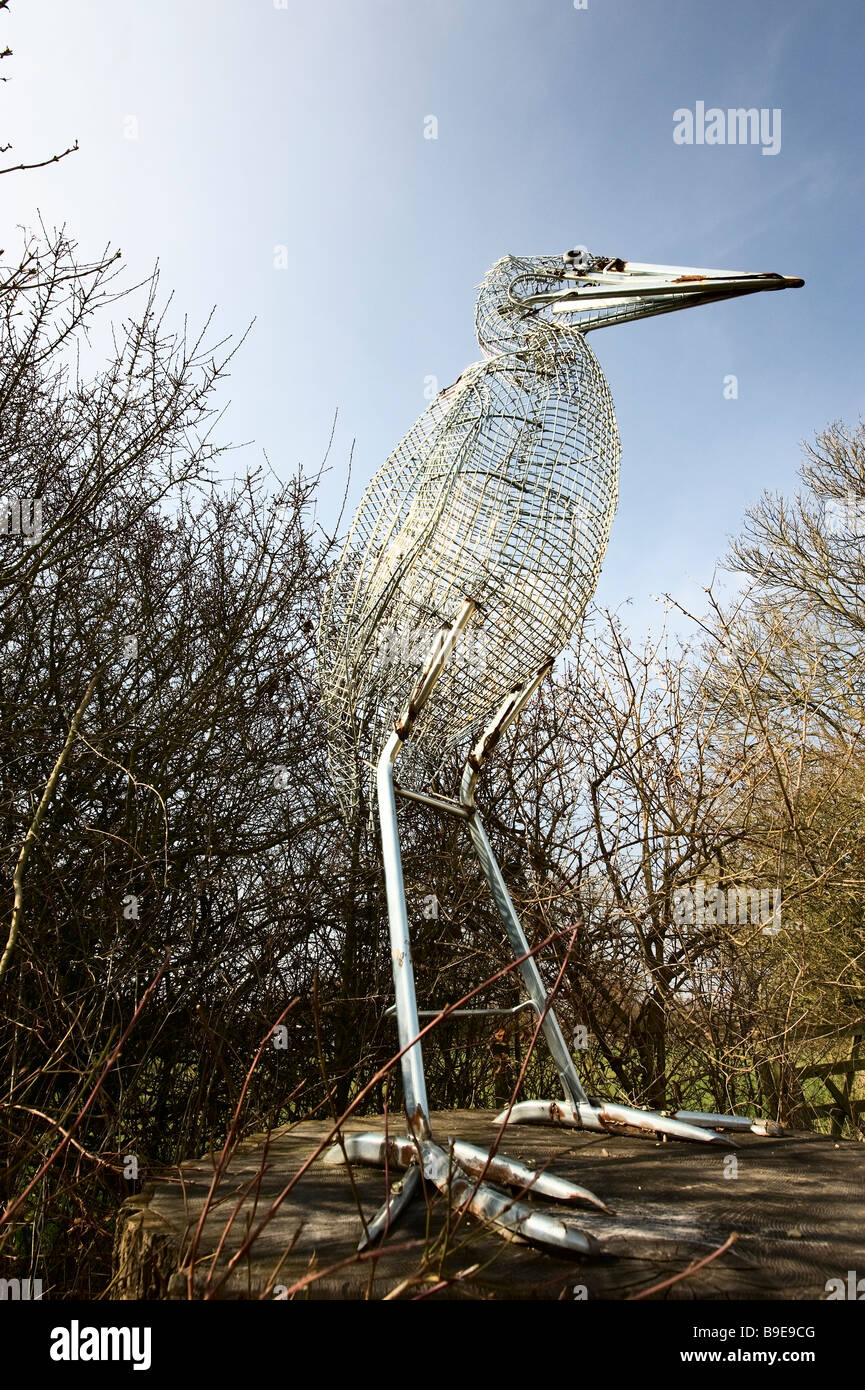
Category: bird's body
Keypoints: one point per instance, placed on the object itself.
(503, 492)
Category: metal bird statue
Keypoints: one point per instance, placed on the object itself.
(466, 571)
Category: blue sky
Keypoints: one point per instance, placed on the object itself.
(302, 127)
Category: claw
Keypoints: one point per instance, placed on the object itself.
(606, 1116)
(451, 1174)
(373, 1151)
(768, 1128)
(509, 1172)
(513, 1220)
(398, 1201)
(653, 1120)
(543, 1112)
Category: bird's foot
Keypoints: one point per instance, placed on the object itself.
(697, 1125)
(472, 1179)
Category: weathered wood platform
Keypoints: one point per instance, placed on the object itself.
(797, 1205)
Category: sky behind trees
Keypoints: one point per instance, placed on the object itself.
(275, 159)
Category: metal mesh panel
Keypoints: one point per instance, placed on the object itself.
(503, 492)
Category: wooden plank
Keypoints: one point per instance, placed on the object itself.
(824, 1069)
(797, 1204)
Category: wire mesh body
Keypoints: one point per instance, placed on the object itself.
(502, 492)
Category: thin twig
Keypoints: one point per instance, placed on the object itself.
(692, 1269)
(11, 1210)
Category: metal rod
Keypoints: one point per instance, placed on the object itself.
(510, 709)
(467, 1013)
(395, 1207)
(408, 1025)
(732, 1122)
(571, 1084)
(507, 712)
(439, 803)
(442, 648)
(604, 1115)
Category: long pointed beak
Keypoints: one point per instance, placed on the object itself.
(621, 291)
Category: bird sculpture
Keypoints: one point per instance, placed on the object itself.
(466, 571)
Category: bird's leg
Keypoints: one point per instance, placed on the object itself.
(457, 1172)
(509, 711)
(408, 1026)
(579, 1110)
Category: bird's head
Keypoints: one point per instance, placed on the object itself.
(556, 296)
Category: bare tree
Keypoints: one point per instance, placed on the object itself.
(160, 752)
